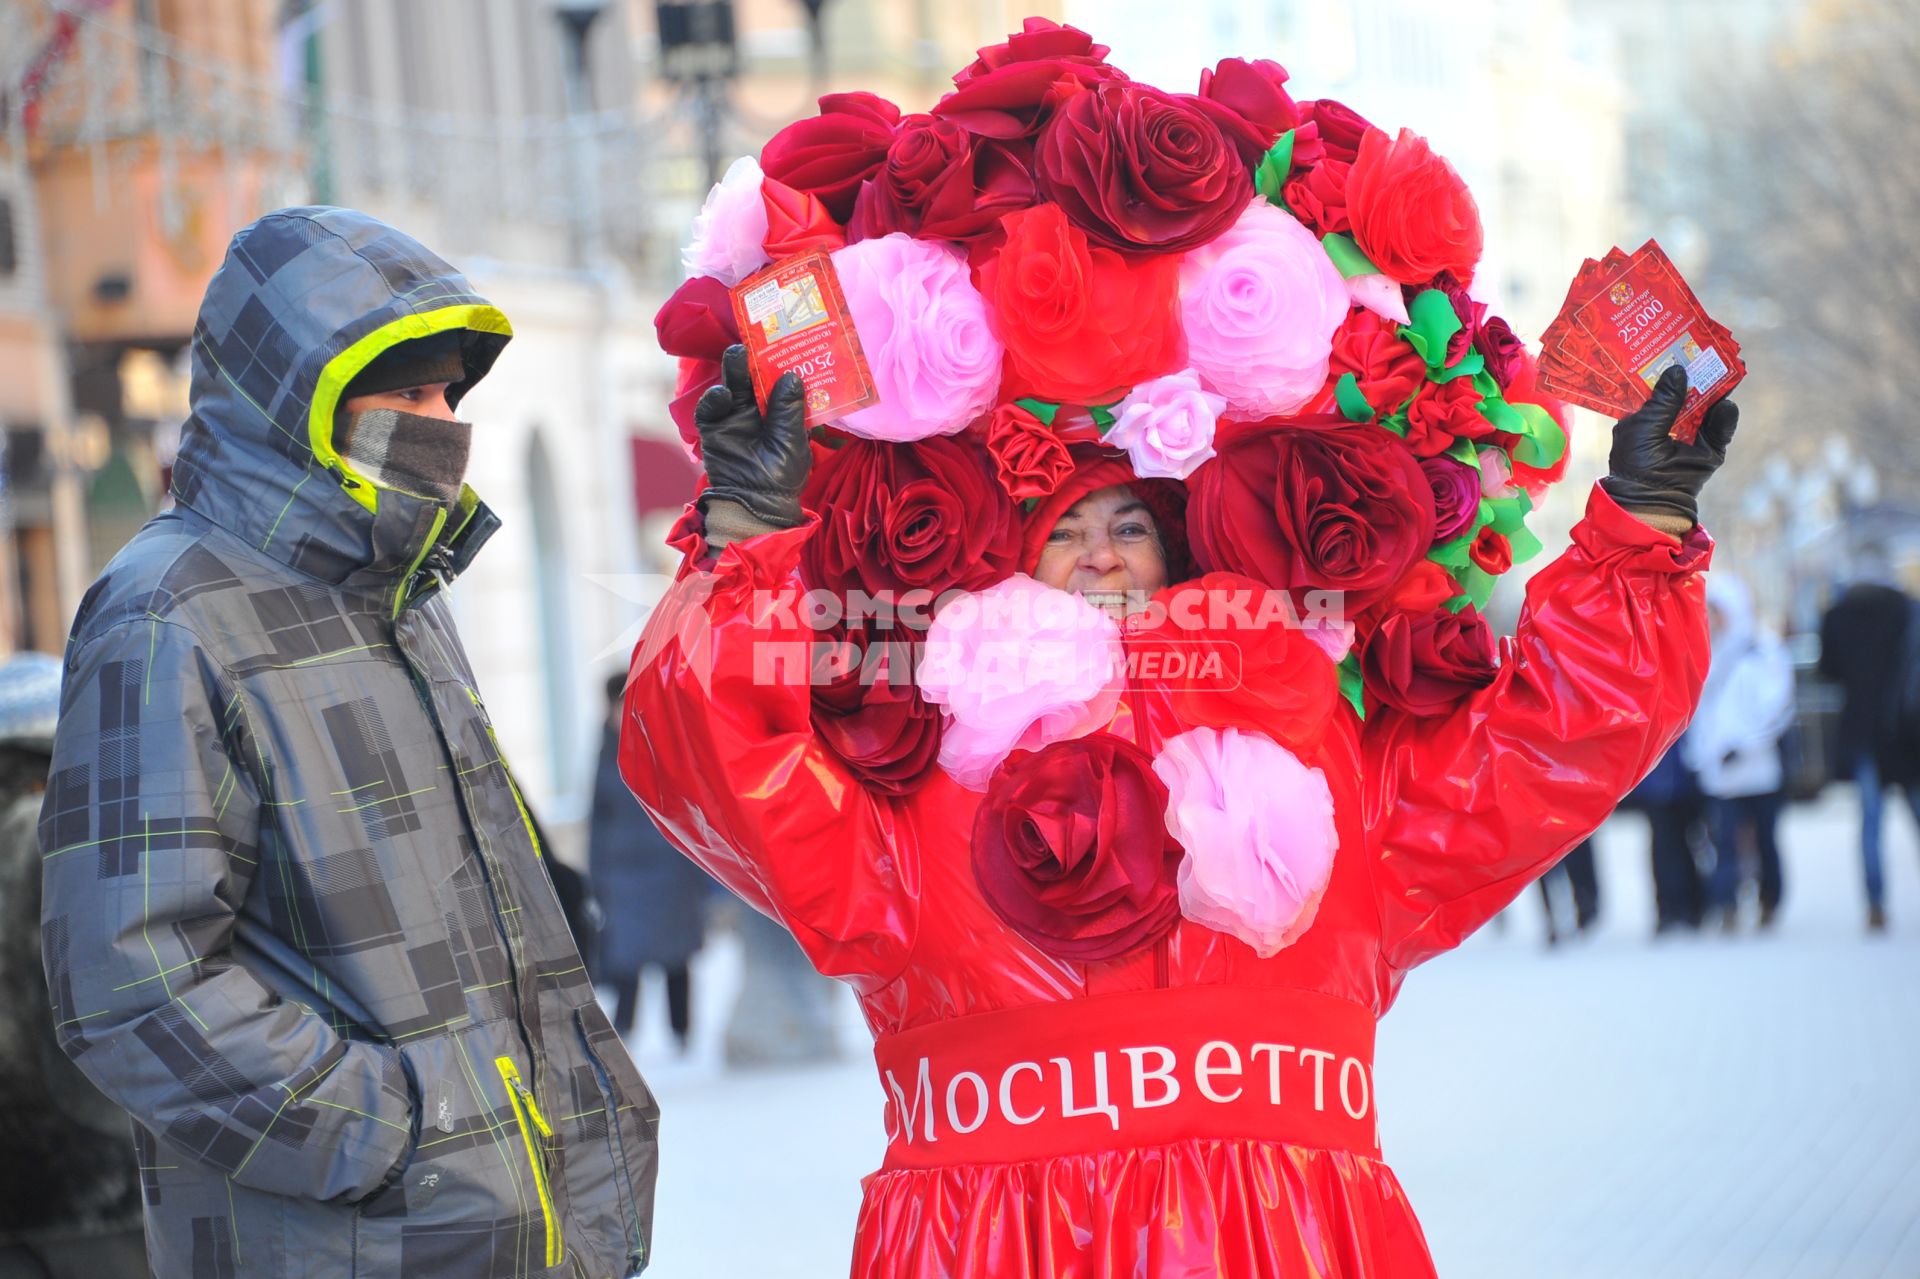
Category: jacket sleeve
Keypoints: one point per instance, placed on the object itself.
(150, 836)
(718, 744)
(1601, 676)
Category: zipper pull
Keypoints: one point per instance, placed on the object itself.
(511, 1073)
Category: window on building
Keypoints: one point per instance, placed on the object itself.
(9, 251)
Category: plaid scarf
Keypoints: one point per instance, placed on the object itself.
(408, 452)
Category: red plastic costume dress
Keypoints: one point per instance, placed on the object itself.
(1191, 1110)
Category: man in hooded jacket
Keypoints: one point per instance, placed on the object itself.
(296, 922)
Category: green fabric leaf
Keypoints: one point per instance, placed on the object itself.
(1542, 442)
(1463, 451)
(1102, 415)
(1433, 326)
(1349, 261)
(1502, 414)
(1470, 365)
(1508, 513)
(1346, 392)
(1396, 422)
(1525, 545)
(1041, 409)
(1477, 583)
(1274, 168)
(1029, 503)
(1483, 381)
(1457, 603)
(1352, 687)
(1452, 555)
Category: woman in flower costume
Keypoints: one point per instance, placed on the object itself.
(1122, 926)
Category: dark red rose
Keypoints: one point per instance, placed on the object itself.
(1009, 89)
(797, 221)
(941, 182)
(1340, 126)
(832, 153)
(1140, 170)
(1412, 215)
(1029, 458)
(868, 711)
(1501, 349)
(1456, 496)
(927, 515)
(1080, 324)
(1318, 197)
(1442, 412)
(694, 378)
(697, 321)
(1071, 850)
(1312, 503)
(1038, 40)
(1490, 551)
(1254, 91)
(1384, 364)
(1470, 313)
(1243, 665)
(1425, 663)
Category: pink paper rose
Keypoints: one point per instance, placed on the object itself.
(1017, 666)
(1261, 304)
(1166, 425)
(730, 233)
(1259, 832)
(923, 327)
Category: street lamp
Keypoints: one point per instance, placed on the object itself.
(576, 24)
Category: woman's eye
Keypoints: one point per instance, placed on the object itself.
(1135, 530)
(1060, 537)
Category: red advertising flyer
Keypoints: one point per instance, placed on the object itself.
(1626, 319)
(793, 318)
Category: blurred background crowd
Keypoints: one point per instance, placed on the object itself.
(556, 151)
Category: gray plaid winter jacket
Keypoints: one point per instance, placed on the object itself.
(295, 917)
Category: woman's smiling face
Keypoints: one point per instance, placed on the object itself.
(1106, 549)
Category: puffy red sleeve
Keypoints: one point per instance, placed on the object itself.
(717, 743)
(1602, 675)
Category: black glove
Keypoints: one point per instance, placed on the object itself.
(760, 463)
(1648, 470)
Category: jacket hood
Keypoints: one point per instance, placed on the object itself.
(1094, 468)
(1729, 596)
(305, 299)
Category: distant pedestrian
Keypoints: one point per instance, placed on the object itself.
(653, 898)
(1733, 746)
(1864, 647)
(1676, 823)
(1576, 875)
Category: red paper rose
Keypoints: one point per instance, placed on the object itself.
(1327, 505)
(1080, 324)
(797, 221)
(1071, 850)
(1490, 551)
(1470, 313)
(1029, 458)
(1384, 364)
(1456, 496)
(1442, 411)
(1141, 170)
(1318, 197)
(1009, 89)
(900, 517)
(1254, 91)
(868, 711)
(694, 378)
(1501, 349)
(1340, 127)
(1424, 663)
(941, 182)
(832, 153)
(1241, 665)
(1412, 215)
(697, 321)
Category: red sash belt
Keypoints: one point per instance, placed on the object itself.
(1118, 1071)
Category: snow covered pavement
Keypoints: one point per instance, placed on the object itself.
(1687, 1108)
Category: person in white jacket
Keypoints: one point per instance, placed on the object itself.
(1734, 745)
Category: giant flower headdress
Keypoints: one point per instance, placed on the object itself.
(1263, 299)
